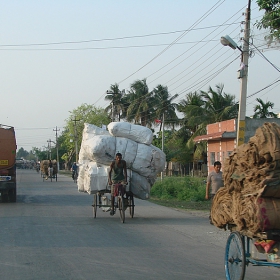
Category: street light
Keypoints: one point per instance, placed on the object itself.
(243, 74)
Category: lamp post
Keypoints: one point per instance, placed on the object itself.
(243, 74)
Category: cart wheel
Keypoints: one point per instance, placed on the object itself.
(131, 205)
(121, 208)
(235, 257)
(94, 205)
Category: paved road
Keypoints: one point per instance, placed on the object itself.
(50, 233)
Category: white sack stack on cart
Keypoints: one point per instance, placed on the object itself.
(98, 150)
(137, 133)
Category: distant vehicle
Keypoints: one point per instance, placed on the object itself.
(7, 164)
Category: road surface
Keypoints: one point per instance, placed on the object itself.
(50, 233)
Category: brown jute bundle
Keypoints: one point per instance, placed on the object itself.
(247, 172)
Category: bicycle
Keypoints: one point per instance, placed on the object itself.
(124, 200)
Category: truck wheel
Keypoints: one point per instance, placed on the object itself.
(12, 195)
(4, 197)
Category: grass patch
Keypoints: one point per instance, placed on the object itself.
(181, 193)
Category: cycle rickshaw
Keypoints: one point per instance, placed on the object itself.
(44, 166)
(259, 249)
(240, 252)
(122, 200)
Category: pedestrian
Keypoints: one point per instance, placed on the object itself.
(119, 176)
(214, 183)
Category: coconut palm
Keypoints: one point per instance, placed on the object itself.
(141, 104)
(164, 107)
(219, 106)
(262, 110)
(117, 106)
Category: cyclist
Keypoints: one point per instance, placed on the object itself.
(74, 170)
(50, 169)
(119, 170)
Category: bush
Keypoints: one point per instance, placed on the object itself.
(180, 188)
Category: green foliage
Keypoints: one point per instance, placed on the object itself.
(262, 110)
(21, 153)
(85, 113)
(271, 18)
(180, 188)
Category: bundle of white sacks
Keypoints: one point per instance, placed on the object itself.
(99, 147)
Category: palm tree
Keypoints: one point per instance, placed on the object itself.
(164, 108)
(117, 106)
(262, 110)
(219, 106)
(193, 110)
(141, 107)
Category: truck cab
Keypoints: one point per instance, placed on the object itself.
(7, 164)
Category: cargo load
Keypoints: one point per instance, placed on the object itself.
(250, 198)
(98, 150)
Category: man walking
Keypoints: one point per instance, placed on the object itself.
(214, 182)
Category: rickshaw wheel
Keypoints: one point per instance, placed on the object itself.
(131, 205)
(121, 208)
(235, 257)
(94, 205)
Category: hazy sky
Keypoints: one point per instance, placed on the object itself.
(59, 54)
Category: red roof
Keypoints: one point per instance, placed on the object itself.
(215, 136)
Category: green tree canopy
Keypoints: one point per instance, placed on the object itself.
(85, 113)
(271, 18)
(262, 110)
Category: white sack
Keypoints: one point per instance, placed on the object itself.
(137, 133)
(93, 177)
(146, 160)
(91, 130)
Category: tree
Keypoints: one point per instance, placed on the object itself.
(262, 110)
(21, 153)
(85, 113)
(271, 17)
(164, 106)
(202, 108)
(142, 102)
(118, 104)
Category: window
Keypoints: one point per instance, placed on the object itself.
(212, 158)
(218, 156)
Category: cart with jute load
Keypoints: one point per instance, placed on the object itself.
(249, 203)
(46, 172)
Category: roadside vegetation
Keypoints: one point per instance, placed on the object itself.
(180, 192)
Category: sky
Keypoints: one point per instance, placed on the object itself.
(59, 54)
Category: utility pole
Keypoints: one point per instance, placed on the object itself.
(162, 139)
(75, 136)
(49, 148)
(57, 158)
(244, 78)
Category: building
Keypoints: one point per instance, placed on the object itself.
(221, 137)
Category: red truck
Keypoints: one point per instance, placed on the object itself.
(8, 148)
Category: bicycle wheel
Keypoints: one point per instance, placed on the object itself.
(131, 205)
(235, 259)
(94, 205)
(121, 208)
(75, 177)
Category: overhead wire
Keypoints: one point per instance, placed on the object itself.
(176, 40)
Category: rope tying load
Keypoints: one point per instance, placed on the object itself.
(250, 198)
